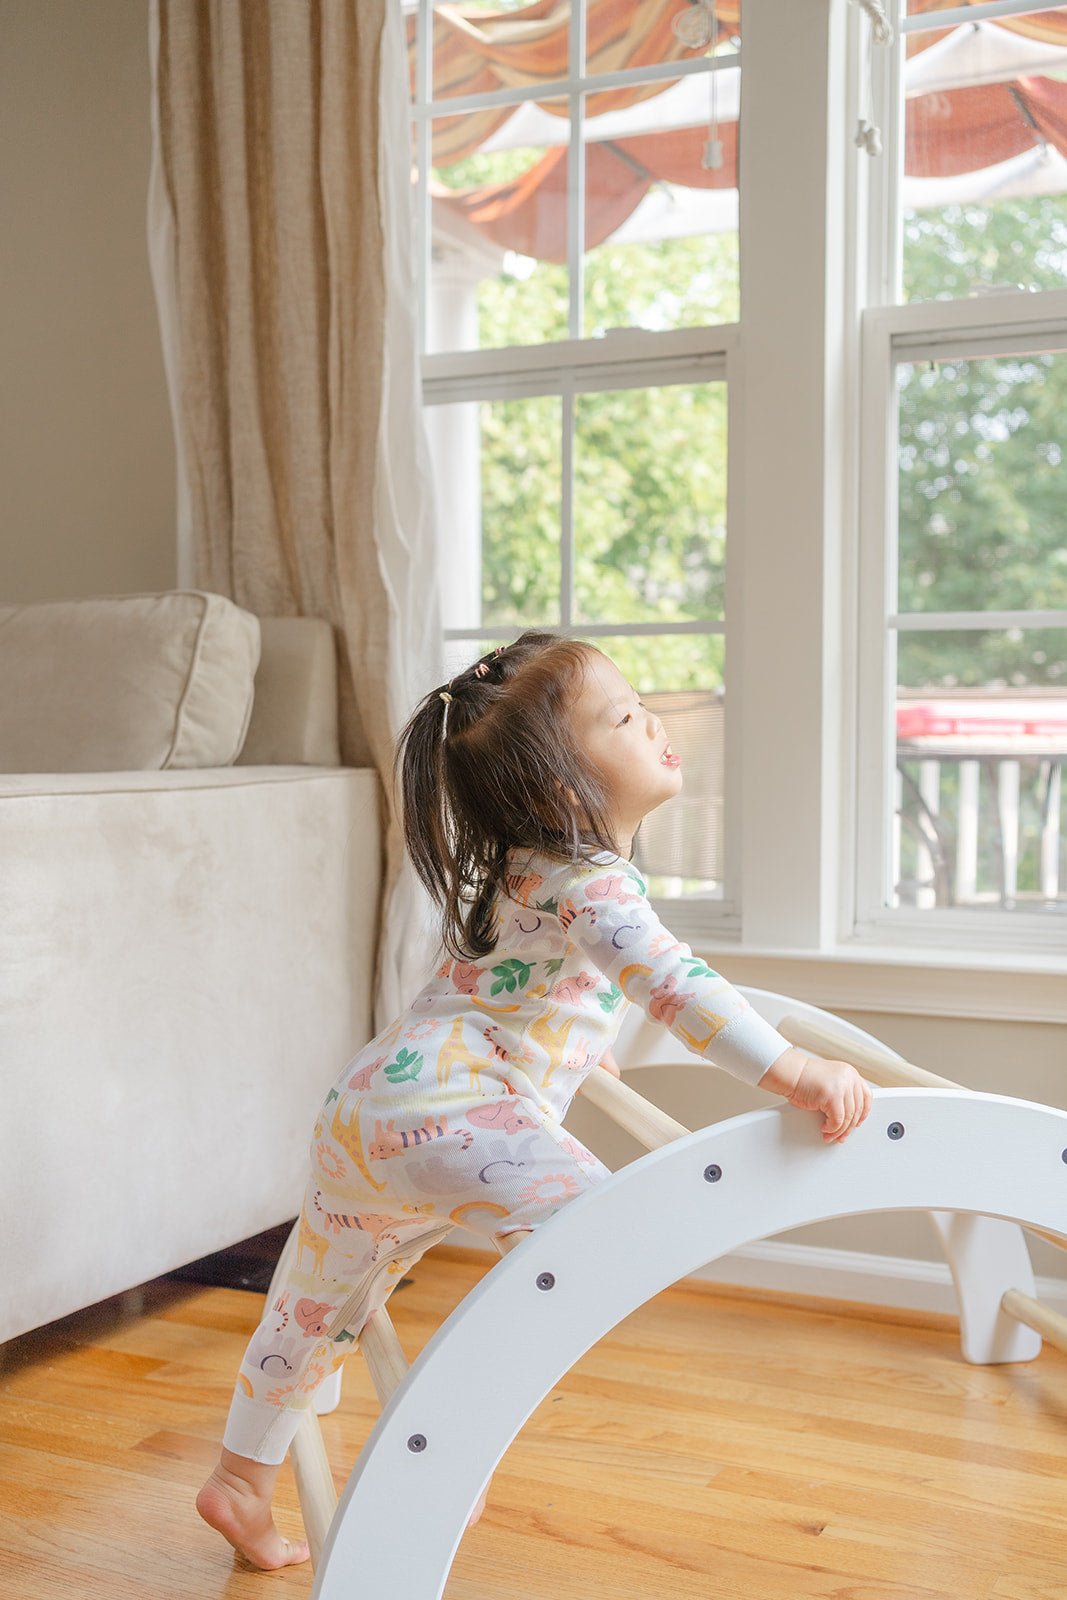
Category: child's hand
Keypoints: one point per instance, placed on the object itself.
(831, 1087)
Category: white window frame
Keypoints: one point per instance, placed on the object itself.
(1007, 323)
(629, 358)
(808, 371)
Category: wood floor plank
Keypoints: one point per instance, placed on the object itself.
(713, 1445)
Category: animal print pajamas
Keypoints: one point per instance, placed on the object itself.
(454, 1114)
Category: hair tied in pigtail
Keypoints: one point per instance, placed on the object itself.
(445, 696)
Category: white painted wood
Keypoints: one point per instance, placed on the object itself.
(644, 1228)
(782, 683)
(783, 1267)
(926, 981)
(967, 831)
(1048, 1323)
(1050, 833)
(1008, 812)
(984, 1253)
(930, 792)
(314, 1483)
(905, 1282)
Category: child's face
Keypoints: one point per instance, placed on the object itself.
(627, 745)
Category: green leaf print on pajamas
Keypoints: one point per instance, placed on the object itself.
(511, 975)
(408, 1064)
(609, 1000)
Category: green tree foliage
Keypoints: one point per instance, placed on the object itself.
(982, 523)
(981, 444)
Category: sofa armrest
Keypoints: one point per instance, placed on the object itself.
(294, 713)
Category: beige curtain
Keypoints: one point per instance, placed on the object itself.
(280, 233)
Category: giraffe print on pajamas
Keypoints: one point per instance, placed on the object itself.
(464, 1122)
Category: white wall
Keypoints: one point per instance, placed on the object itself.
(86, 451)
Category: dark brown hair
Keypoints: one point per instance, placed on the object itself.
(497, 768)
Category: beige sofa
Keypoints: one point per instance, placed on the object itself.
(186, 943)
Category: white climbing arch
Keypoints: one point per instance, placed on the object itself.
(987, 1162)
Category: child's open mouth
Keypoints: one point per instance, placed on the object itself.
(669, 759)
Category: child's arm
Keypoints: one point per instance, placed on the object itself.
(831, 1087)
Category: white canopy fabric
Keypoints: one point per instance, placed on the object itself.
(977, 53)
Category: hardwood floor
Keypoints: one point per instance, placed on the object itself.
(712, 1445)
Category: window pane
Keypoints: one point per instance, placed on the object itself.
(498, 272)
(661, 225)
(680, 845)
(482, 47)
(631, 33)
(650, 504)
(985, 186)
(982, 485)
(981, 745)
(497, 480)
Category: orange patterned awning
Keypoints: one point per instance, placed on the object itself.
(949, 133)
(475, 52)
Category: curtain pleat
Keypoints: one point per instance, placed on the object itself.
(281, 231)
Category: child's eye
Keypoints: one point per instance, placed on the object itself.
(627, 718)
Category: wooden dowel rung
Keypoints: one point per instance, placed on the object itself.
(1048, 1323)
(647, 1123)
(507, 1241)
(314, 1482)
(880, 1066)
(386, 1361)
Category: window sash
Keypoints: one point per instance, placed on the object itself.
(925, 331)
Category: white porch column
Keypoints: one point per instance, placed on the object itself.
(455, 435)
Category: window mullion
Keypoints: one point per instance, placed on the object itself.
(576, 174)
(566, 508)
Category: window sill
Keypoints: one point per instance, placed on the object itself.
(983, 985)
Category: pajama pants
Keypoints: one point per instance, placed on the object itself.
(378, 1197)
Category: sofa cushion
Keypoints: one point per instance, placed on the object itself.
(124, 684)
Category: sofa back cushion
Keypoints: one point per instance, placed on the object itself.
(130, 683)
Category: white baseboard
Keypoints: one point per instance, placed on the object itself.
(860, 1276)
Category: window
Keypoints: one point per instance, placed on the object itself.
(965, 703)
(783, 433)
(579, 210)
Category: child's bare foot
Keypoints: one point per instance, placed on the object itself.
(235, 1501)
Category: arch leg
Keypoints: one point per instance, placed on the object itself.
(988, 1256)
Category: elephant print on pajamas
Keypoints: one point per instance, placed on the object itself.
(501, 1117)
(454, 1115)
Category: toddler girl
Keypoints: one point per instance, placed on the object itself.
(523, 782)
